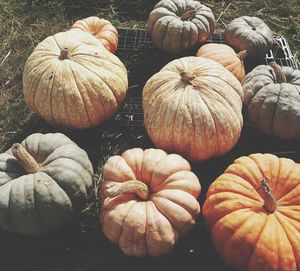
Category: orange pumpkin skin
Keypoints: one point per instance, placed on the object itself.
(102, 29)
(225, 55)
(245, 230)
(149, 224)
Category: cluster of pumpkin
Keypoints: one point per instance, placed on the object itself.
(192, 107)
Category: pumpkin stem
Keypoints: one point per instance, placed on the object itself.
(269, 201)
(25, 159)
(280, 76)
(64, 53)
(187, 77)
(188, 15)
(132, 186)
(242, 54)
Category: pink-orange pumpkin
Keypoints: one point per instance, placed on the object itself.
(148, 200)
(225, 55)
(102, 29)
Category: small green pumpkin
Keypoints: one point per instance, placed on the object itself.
(272, 100)
(251, 34)
(178, 25)
(43, 181)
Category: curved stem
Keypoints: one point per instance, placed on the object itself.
(187, 76)
(242, 54)
(280, 76)
(64, 54)
(270, 203)
(188, 15)
(132, 186)
(27, 162)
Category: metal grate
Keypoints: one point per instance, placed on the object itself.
(130, 113)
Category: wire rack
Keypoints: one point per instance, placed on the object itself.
(131, 113)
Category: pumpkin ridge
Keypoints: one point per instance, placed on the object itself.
(172, 225)
(277, 178)
(287, 236)
(231, 105)
(91, 71)
(51, 96)
(57, 42)
(214, 122)
(98, 56)
(66, 111)
(251, 255)
(287, 193)
(165, 33)
(9, 204)
(80, 94)
(31, 100)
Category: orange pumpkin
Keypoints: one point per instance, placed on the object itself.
(253, 210)
(102, 29)
(225, 55)
(148, 200)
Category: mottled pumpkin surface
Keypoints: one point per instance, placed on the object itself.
(273, 107)
(199, 117)
(102, 29)
(247, 235)
(38, 202)
(177, 25)
(71, 80)
(153, 225)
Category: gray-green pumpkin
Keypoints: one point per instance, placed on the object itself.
(43, 182)
(178, 25)
(251, 34)
(272, 100)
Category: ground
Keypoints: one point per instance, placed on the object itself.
(24, 23)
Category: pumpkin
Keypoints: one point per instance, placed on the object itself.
(44, 180)
(253, 211)
(251, 34)
(102, 29)
(148, 201)
(193, 106)
(72, 81)
(225, 55)
(272, 100)
(178, 25)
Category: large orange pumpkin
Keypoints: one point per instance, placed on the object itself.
(225, 55)
(148, 200)
(253, 211)
(102, 29)
(193, 107)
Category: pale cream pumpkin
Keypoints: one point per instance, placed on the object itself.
(148, 200)
(71, 80)
(193, 107)
(102, 29)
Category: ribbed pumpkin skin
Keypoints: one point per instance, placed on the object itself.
(273, 108)
(102, 29)
(251, 34)
(248, 236)
(33, 204)
(80, 91)
(175, 35)
(154, 225)
(198, 119)
(224, 55)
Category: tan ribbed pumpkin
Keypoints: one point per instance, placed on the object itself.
(71, 80)
(102, 29)
(225, 55)
(193, 107)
